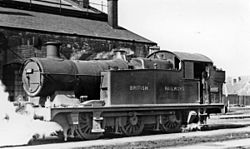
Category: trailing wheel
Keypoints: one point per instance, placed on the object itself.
(169, 123)
(85, 127)
(133, 126)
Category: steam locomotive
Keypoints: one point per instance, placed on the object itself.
(164, 91)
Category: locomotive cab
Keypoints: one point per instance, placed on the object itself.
(196, 69)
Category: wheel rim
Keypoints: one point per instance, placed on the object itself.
(133, 126)
(85, 127)
(170, 123)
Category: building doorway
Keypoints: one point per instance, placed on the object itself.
(12, 79)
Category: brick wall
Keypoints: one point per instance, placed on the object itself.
(24, 44)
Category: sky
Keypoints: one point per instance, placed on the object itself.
(219, 29)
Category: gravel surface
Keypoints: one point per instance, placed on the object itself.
(179, 141)
(152, 141)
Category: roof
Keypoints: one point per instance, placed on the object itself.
(192, 57)
(45, 22)
(238, 85)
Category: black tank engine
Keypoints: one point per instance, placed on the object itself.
(87, 98)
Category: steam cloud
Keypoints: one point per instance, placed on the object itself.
(19, 129)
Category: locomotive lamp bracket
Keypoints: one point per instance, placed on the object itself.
(155, 66)
(29, 71)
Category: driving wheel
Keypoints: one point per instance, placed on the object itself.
(170, 123)
(85, 127)
(133, 126)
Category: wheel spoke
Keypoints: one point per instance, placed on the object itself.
(130, 130)
(85, 130)
(84, 127)
(133, 128)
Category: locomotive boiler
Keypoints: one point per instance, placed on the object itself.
(164, 92)
(44, 76)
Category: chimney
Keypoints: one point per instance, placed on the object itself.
(83, 3)
(234, 81)
(113, 13)
(52, 49)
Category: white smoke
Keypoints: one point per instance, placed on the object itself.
(17, 129)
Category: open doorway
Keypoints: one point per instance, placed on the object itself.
(200, 72)
(12, 79)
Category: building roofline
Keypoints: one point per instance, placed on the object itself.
(75, 34)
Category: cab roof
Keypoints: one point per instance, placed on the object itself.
(183, 56)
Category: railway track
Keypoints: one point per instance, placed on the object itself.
(151, 141)
(219, 128)
(148, 138)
